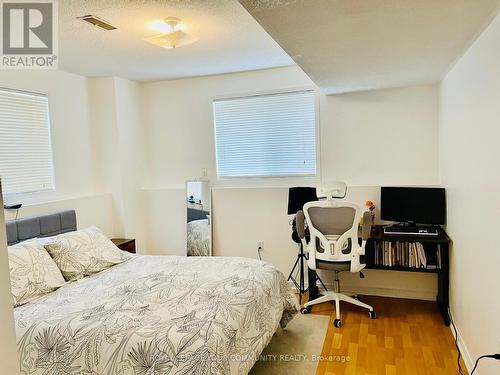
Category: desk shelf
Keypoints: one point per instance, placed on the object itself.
(401, 268)
(441, 239)
(379, 235)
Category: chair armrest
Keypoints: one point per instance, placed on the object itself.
(366, 228)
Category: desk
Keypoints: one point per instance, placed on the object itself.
(441, 239)
(431, 242)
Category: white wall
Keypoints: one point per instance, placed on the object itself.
(96, 209)
(469, 156)
(77, 159)
(354, 128)
(70, 131)
(97, 150)
(383, 137)
(131, 158)
(116, 122)
(368, 139)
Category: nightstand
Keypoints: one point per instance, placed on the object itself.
(125, 244)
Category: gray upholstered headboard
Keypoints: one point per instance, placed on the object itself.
(40, 226)
(194, 214)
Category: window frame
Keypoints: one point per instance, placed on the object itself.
(15, 196)
(270, 181)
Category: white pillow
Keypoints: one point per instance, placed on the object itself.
(33, 273)
(83, 253)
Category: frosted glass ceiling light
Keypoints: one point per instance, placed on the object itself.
(172, 35)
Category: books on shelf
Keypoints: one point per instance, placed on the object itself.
(407, 254)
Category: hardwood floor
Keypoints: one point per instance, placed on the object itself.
(408, 337)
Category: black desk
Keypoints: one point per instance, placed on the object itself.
(378, 235)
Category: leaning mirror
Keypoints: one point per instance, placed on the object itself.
(199, 226)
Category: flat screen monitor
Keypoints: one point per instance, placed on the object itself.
(298, 197)
(412, 204)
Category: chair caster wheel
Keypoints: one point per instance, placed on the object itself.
(305, 310)
(372, 314)
(337, 323)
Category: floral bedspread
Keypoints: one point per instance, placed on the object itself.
(157, 315)
(198, 237)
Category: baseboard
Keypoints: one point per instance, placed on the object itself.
(388, 292)
(469, 362)
(383, 292)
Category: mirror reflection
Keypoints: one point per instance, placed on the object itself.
(199, 232)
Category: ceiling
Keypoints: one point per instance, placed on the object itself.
(230, 40)
(351, 45)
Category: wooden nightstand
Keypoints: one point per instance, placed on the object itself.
(125, 244)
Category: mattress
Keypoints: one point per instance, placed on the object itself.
(157, 315)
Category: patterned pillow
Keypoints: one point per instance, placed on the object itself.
(33, 273)
(83, 253)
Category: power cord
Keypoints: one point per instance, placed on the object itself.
(456, 343)
(495, 356)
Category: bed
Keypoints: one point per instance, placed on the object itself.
(198, 237)
(152, 315)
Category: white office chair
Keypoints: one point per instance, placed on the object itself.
(334, 245)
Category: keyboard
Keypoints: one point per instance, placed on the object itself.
(412, 231)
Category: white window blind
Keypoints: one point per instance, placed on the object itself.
(25, 151)
(266, 135)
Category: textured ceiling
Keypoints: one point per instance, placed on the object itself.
(350, 45)
(230, 39)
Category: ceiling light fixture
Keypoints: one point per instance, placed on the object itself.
(172, 34)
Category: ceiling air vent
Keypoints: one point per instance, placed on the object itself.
(98, 22)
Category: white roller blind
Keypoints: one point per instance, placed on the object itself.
(266, 135)
(25, 152)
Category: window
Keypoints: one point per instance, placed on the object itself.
(266, 135)
(25, 152)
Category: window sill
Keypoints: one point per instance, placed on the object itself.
(266, 182)
(30, 198)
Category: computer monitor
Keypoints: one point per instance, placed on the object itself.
(413, 204)
(298, 197)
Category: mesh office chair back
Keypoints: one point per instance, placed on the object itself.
(334, 235)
